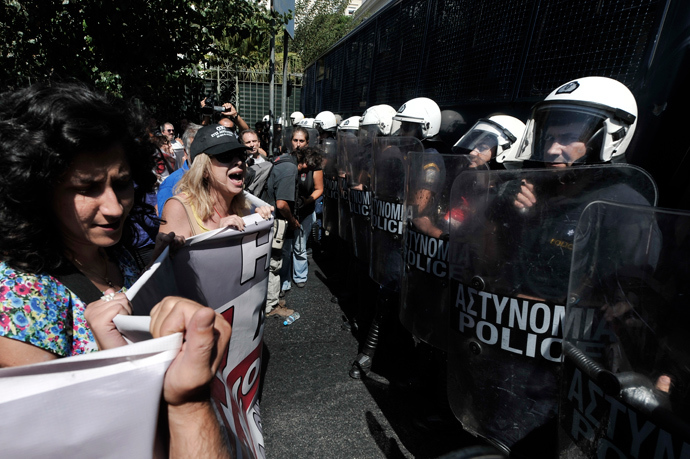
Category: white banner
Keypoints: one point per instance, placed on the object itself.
(86, 405)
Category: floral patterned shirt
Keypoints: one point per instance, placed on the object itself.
(38, 309)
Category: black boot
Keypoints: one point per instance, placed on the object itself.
(360, 366)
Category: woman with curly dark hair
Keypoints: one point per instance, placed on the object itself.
(68, 202)
(71, 157)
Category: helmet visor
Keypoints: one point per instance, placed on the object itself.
(367, 134)
(566, 135)
(407, 129)
(478, 143)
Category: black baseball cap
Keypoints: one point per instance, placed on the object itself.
(215, 139)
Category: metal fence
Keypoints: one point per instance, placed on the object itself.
(465, 52)
(248, 90)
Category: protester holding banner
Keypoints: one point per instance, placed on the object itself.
(72, 160)
(68, 204)
(210, 195)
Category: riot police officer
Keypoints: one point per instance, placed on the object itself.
(327, 125)
(376, 121)
(296, 117)
(425, 290)
(493, 140)
(585, 121)
(349, 125)
(421, 118)
(518, 263)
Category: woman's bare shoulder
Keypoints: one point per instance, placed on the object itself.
(174, 216)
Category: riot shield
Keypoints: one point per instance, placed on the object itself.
(314, 141)
(278, 139)
(331, 188)
(509, 280)
(287, 138)
(388, 208)
(426, 291)
(347, 142)
(359, 171)
(625, 389)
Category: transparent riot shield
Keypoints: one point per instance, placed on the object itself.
(388, 208)
(287, 138)
(625, 386)
(314, 140)
(510, 267)
(426, 290)
(359, 172)
(347, 142)
(331, 188)
(278, 139)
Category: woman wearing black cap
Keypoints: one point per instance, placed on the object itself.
(210, 195)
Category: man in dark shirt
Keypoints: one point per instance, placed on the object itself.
(281, 193)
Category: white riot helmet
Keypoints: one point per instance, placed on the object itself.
(296, 117)
(420, 117)
(498, 136)
(326, 121)
(307, 123)
(349, 124)
(586, 121)
(378, 119)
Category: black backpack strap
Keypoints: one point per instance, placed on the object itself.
(77, 282)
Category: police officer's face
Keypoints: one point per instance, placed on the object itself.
(562, 145)
(408, 129)
(482, 153)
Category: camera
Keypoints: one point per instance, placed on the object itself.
(209, 108)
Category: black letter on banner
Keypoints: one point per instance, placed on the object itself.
(251, 254)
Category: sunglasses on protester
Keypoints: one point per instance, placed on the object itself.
(228, 156)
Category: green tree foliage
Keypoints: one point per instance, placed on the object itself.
(318, 25)
(247, 45)
(148, 49)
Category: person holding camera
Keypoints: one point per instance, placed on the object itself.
(229, 116)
